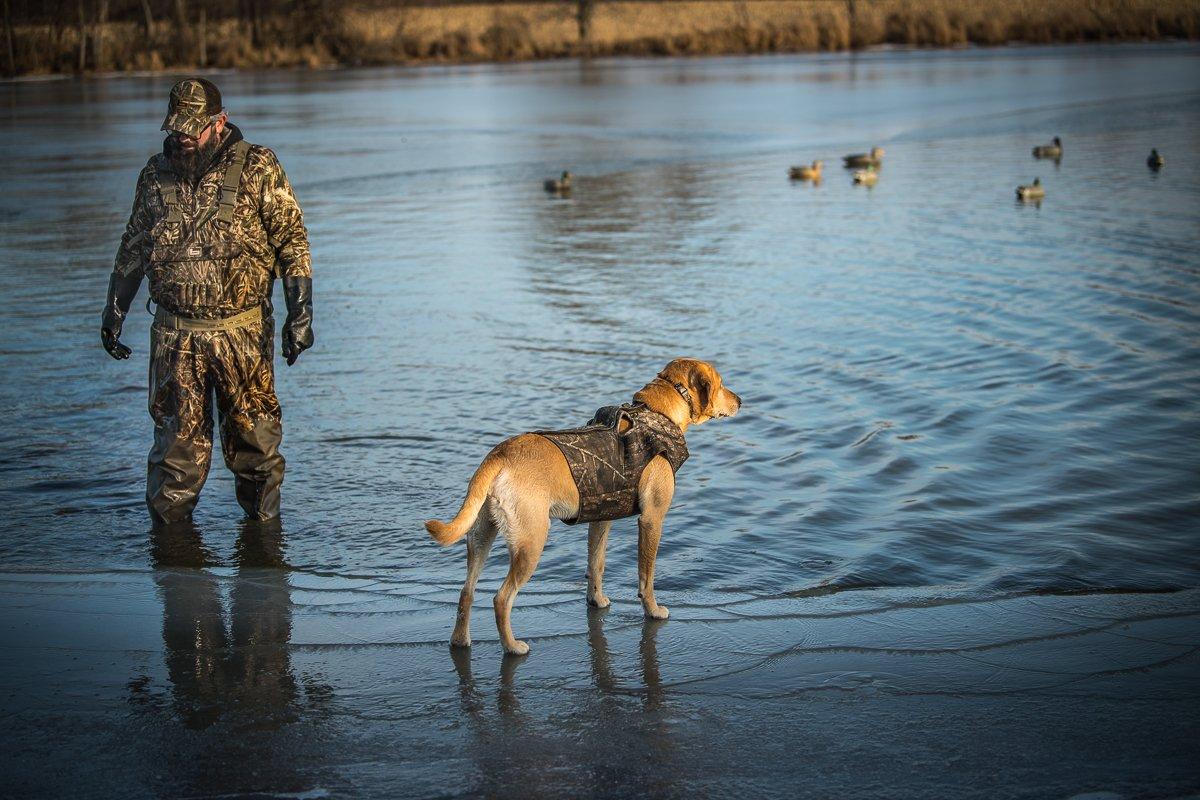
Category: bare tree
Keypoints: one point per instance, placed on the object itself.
(98, 51)
(584, 10)
(83, 34)
(181, 28)
(148, 20)
(251, 13)
(8, 42)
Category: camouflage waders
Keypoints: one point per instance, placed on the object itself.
(189, 369)
(211, 249)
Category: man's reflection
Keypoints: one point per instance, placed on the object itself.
(213, 669)
(260, 666)
(231, 680)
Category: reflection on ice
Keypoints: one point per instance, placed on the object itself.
(594, 733)
(213, 678)
(226, 650)
(243, 667)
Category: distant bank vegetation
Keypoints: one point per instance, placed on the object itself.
(66, 36)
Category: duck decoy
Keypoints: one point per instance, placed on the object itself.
(1049, 150)
(1155, 161)
(871, 159)
(867, 177)
(558, 185)
(809, 173)
(1033, 191)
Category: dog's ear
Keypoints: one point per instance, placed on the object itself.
(703, 384)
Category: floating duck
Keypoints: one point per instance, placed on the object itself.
(867, 177)
(559, 185)
(1049, 150)
(810, 173)
(1155, 161)
(1033, 191)
(871, 159)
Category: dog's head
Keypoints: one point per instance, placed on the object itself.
(695, 383)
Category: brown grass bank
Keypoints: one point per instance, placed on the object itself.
(319, 33)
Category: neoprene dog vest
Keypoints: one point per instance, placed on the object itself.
(607, 465)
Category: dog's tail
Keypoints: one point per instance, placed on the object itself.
(448, 533)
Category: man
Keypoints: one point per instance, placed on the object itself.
(214, 221)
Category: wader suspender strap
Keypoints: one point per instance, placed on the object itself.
(227, 194)
(170, 195)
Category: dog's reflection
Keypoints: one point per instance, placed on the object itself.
(500, 765)
(647, 739)
(214, 669)
(602, 672)
(508, 701)
(522, 734)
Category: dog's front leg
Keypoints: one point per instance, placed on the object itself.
(649, 532)
(655, 492)
(597, 544)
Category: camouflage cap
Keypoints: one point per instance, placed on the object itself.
(194, 102)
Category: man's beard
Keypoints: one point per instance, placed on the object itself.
(190, 165)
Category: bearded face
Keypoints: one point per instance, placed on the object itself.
(190, 157)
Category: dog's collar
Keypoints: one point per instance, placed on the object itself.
(679, 387)
(683, 392)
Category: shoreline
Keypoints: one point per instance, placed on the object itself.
(519, 32)
(881, 49)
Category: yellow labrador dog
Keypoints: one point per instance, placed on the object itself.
(529, 479)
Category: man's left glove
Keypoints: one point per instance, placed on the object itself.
(121, 291)
(297, 330)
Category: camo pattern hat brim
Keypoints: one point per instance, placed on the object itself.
(188, 111)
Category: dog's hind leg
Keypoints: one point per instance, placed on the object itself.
(526, 538)
(479, 544)
(597, 542)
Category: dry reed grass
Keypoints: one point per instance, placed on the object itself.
(519, 31)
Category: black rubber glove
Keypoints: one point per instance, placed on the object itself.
(297, 330)
(121, 291)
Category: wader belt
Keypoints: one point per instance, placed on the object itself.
(166, 319)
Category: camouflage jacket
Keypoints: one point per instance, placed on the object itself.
(607, 465)
(217, 269)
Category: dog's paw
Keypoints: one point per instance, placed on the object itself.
(460, 641)
(599, 601)
(659, 612)
(518, 649)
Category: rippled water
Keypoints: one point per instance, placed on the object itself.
(942, 387)
(955, 400)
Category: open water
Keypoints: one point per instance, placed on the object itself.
(950, 399)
